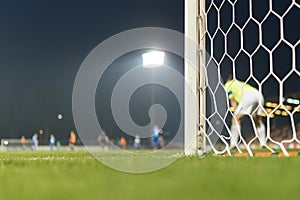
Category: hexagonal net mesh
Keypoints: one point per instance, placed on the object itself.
(257, 42)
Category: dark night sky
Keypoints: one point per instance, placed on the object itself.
(43, 43)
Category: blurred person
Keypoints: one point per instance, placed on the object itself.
(137, 142)
(106, 139)
(23, 142)
(100, 141)
(72, 140)
(122, 142)
(102, 138)
(58, 145)
(35, 142)
(161, 141)
(245, 100)
(52, 142)
(156, 134)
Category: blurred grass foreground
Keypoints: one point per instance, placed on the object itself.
(77, 175)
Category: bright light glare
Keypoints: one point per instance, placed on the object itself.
(153, 59)
(293, 101)
(41, 131)
(59, 116)
(5, 142)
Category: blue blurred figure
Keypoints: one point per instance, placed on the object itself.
(35, 142)
(156, 135)
(52, 142)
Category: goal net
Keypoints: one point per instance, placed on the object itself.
(257, 42)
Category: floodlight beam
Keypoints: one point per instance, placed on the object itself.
(153, 59)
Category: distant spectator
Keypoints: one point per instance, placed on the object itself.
(58, 145)
(23, 142)
(103, 140)
(122, 143)
(157, 139)
(72, 140)
(137, 142)
(52, 142)
(35, 141)
(106, 139)
(161, 141)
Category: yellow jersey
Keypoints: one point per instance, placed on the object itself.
(236, 89)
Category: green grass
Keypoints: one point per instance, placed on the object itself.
(77, 175)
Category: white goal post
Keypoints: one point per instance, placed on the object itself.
(194, 124)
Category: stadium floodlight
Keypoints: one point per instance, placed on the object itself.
(153, 59)
(59, 116)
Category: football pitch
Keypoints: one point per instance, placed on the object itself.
(77, 175)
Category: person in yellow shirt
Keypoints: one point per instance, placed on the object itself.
(246, 100)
